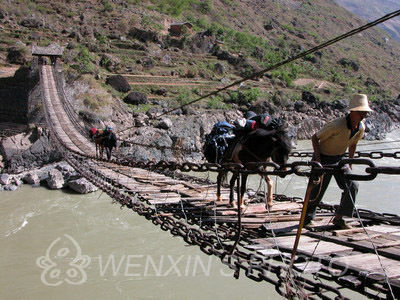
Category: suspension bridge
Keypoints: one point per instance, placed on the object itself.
(254, 242)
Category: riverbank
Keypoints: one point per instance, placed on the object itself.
(53, 176)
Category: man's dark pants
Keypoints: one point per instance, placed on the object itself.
(349, 187)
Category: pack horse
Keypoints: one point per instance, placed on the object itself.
(259, 145)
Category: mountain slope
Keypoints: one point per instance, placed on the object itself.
(373, 9)
(131, 36)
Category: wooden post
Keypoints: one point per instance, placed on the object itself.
(239, 214)
(310, 186)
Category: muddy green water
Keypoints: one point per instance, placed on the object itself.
(57, 245)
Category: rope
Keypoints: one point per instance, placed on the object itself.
(293, 58)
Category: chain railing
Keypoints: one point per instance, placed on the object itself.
(195, 232)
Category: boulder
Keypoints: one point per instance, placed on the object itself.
(166, 59)
(300, 106)
(110, 62)
(269, 26)
(119, 83)
(10, 187)
(17, 55)
(89, 117)
(82, 186)
(144, 35)
(309, 98)
(55, 179)
(147, 63)
(135, 98)
(3, 13)
(258, 53)
(17, 181)
(339, 104)
(31, 178)
(202, 42)
(5, 179)
(165, 123)
(345, 62)
(160, 92)
(32, 22)
(219, 68)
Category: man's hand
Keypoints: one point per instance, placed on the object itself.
(316, 147)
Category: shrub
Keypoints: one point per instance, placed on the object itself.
(216, 102)
(242, 97)
(83, 61)
(107, 6)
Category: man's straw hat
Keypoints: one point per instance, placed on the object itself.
(359, 102)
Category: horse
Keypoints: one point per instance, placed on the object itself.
(96, 136)
(260, 145)
(109, 142)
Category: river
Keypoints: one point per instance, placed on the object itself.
(120, 255)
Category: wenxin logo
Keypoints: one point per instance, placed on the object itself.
(63, 262)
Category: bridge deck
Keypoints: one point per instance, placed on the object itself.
(269, 234)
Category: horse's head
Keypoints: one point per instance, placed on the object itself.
(282, 147)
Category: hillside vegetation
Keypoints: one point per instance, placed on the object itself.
(230, 39)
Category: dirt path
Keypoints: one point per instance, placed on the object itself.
(317, 84)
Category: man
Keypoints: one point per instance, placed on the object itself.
(330, 145)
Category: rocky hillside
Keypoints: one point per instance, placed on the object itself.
(373, 9)
(229, 38)
(126, 61)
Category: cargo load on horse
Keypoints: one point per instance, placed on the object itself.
(103, 139)
(218, 141)
(259, 139)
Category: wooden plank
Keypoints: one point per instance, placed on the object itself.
(165, 201)
(368, 262)
(389, 244)
(363, 236)
(282, 227)
(311, 267)
(307, 245)
(269, 252)
(161, 195)
(366, 246)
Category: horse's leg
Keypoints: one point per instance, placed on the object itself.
(270, 192)
(243, 190)
(231, 189)
(101, 151)
(219, 183)
(108, 152)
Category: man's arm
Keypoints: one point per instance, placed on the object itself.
(352, 150)
(316, 147)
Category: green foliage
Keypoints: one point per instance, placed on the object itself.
(83, 61)
(287, 74)
(148, 22)
(101, 38)
(184, 96)
(231, 3)
(242, 97)
(140, 108)
(171, 7)
(205, 6)
(217, 102)
(290, 28)
(107, 6)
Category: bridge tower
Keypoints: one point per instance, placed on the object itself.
(42, 54)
